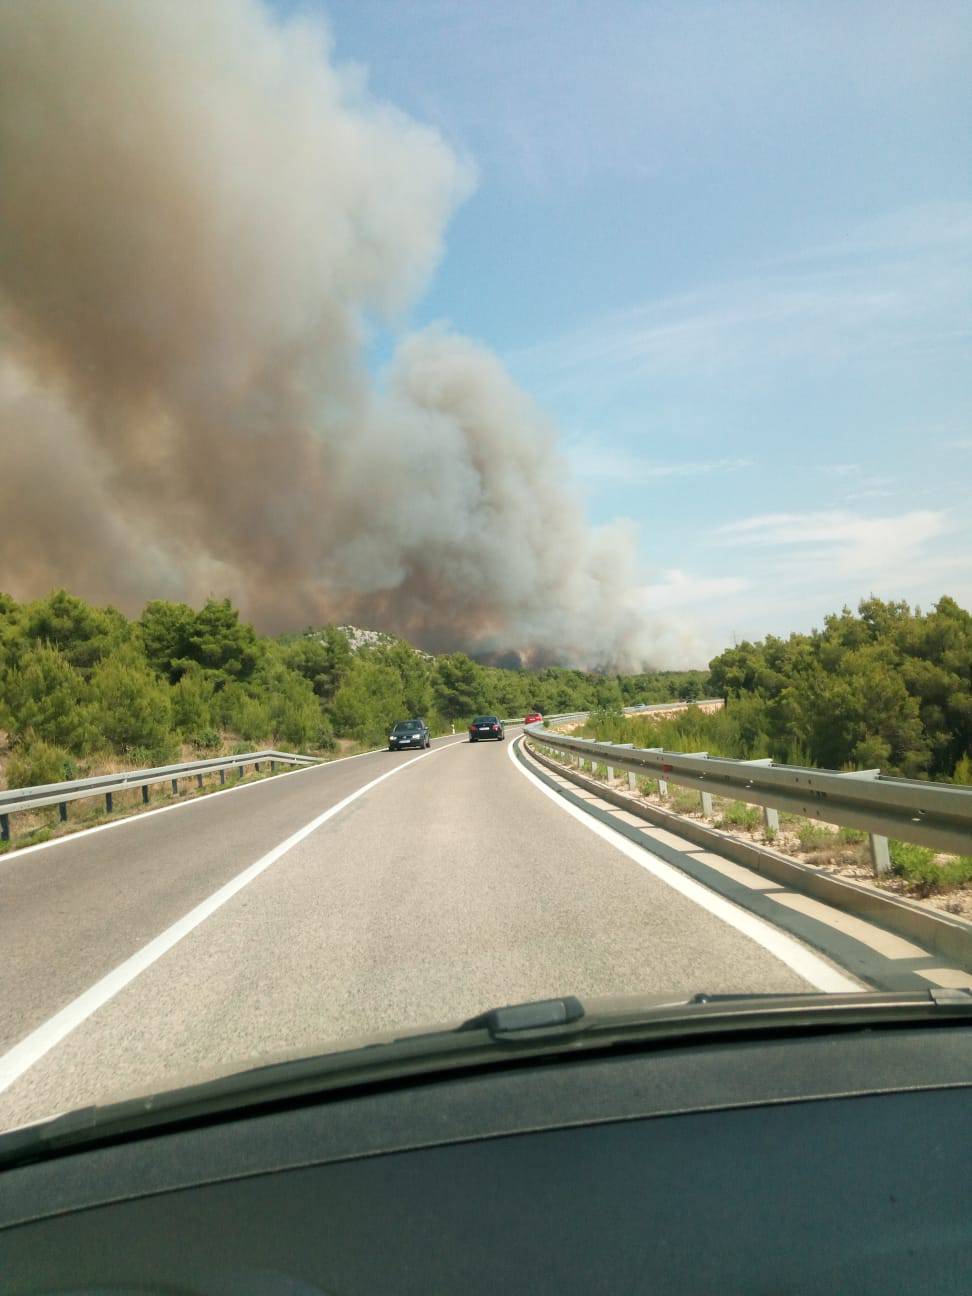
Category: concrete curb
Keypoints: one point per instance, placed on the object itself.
(946, 935)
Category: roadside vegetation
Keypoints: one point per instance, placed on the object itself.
(86, 690)
(888, 688)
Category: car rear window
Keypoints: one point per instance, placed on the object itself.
(485, 720)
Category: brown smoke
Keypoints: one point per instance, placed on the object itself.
(198, 214)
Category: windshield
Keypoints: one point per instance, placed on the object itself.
(608, 363)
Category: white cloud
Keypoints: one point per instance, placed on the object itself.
(679, 589)
(840, 470)
(813, 310)
(775, 573)
(591, 460)
(821, 546)
(923, 226)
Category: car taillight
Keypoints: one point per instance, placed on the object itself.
(495, 728)
(472, 728)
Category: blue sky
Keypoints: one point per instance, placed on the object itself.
(728, 249)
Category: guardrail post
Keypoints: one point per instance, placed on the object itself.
(145, 794)
(175, 787)
(771, 817)
(222, 776)
(880, 855)
(706, 799)
(663, 787)
(198, 780)
(239, 771)
(62, 811)
(610, 773)
(4, 827)
(632, 781)
(256, 766)
(273, 766)
(108, 803)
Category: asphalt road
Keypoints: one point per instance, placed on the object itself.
(451, 886)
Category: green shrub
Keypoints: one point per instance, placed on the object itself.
(34, 836)
(851, 836)
(192, 699)
(737, 814)
(683, 800)
(295, 711)
(251, 719)
(916, 865)
(207, 740)
(812, 836)
(150, 757)
(907, 855)
(130, 707)
(46, 697)
(39, 762)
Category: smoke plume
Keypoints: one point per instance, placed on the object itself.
(199, 214)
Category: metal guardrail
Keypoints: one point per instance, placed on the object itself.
(59, 794)
(932, 814)
(643, 708)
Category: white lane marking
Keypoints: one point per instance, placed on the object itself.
(820, 974)
(8, 857)
(30, 1050)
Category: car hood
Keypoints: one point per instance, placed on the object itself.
(512, 1035)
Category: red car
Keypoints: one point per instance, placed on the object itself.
(533, 718)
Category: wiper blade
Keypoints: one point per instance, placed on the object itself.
(515, 1034)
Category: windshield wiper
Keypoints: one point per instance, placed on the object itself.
(513, 1035)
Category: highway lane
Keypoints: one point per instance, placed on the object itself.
(75, 908)
(449, 888)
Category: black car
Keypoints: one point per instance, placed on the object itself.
(484, 727)
(409, 733)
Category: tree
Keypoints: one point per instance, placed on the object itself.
(459, 687)
(84, 634)
(294, 709)
(219, 641)
(166, 630)
(192, 705)
(369, 701)
(322, 657)
(46, 697)
(174, 636)
(131, 706)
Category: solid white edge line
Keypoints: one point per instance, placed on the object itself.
(34, 1046)
(8, 857)
(814, 969)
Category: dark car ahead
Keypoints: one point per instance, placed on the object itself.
(409, 733)
(484, 727)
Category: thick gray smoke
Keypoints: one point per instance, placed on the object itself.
(198, 214)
